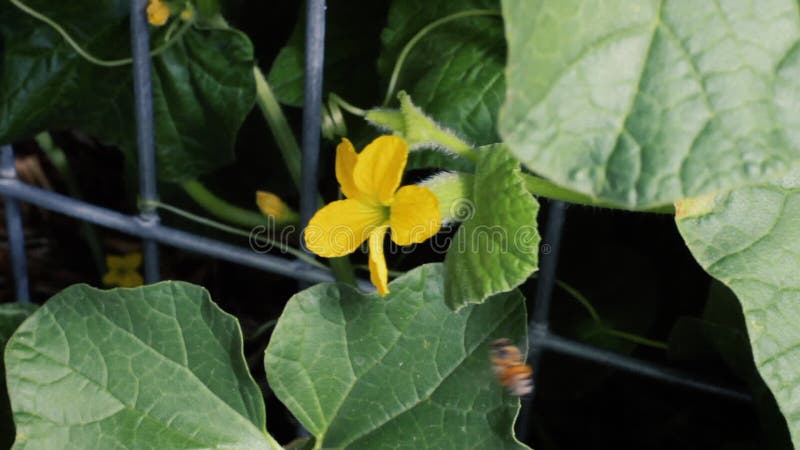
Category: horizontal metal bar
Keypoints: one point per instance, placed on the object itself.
(297, 269)
(558, 344)
(148, 230)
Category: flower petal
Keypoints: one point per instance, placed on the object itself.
(131, 280)
(114, 262)
(157, 12)
(341, 226)
(346, 158)
(415, 215)
(378, 273)
(112, 278)
(380, 167)
(132, 261)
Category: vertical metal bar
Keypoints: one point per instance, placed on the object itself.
(312, 121)
(145, 133)
(538, 325)
(548, 262)
(312, 108)
(16, 235)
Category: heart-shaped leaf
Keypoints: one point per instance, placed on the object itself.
(497, 247)
(643, 103)
(159, 366)
(364, 372)
(750, 240)
(203, 85)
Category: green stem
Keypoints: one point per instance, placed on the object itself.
(602, 327)
(635, 338)
(260, 331)
(420, 34)
(59, 160)
(342, 103)
(343, 270)
(580, 298)
(221, 208)
(271, 109)
(273, 113)
(540, 187)
(85, 53)
(391, 273)
(234, 231)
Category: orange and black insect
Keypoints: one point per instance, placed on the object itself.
(510, 368)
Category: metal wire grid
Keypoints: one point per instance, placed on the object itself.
(146, 224)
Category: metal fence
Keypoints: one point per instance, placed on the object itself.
(146, 224)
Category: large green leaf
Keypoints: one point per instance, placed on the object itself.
(497, 247)
(11, 315)
(646, 102)
(364, 372)
(455, 72)
(154, 367)
(750, 240)
(203, 86)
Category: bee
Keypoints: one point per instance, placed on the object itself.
(510, 369)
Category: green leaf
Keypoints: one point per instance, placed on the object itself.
(428, 158)
(159, 366)
(364, 372)
(454, 72)
(644, 103)
(497, 247)
(203, 85)
(722, 335)
(750, 240)
(351, 41)
(11, 315)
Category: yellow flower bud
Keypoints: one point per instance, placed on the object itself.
(157, 12)
(187, 14)
(271, 205)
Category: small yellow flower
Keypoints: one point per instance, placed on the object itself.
(157, 12)
(272, 206)
(123, 270)
(374, 204)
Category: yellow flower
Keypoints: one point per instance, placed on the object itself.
(374, 204)
(157, 12)
(123, 270)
